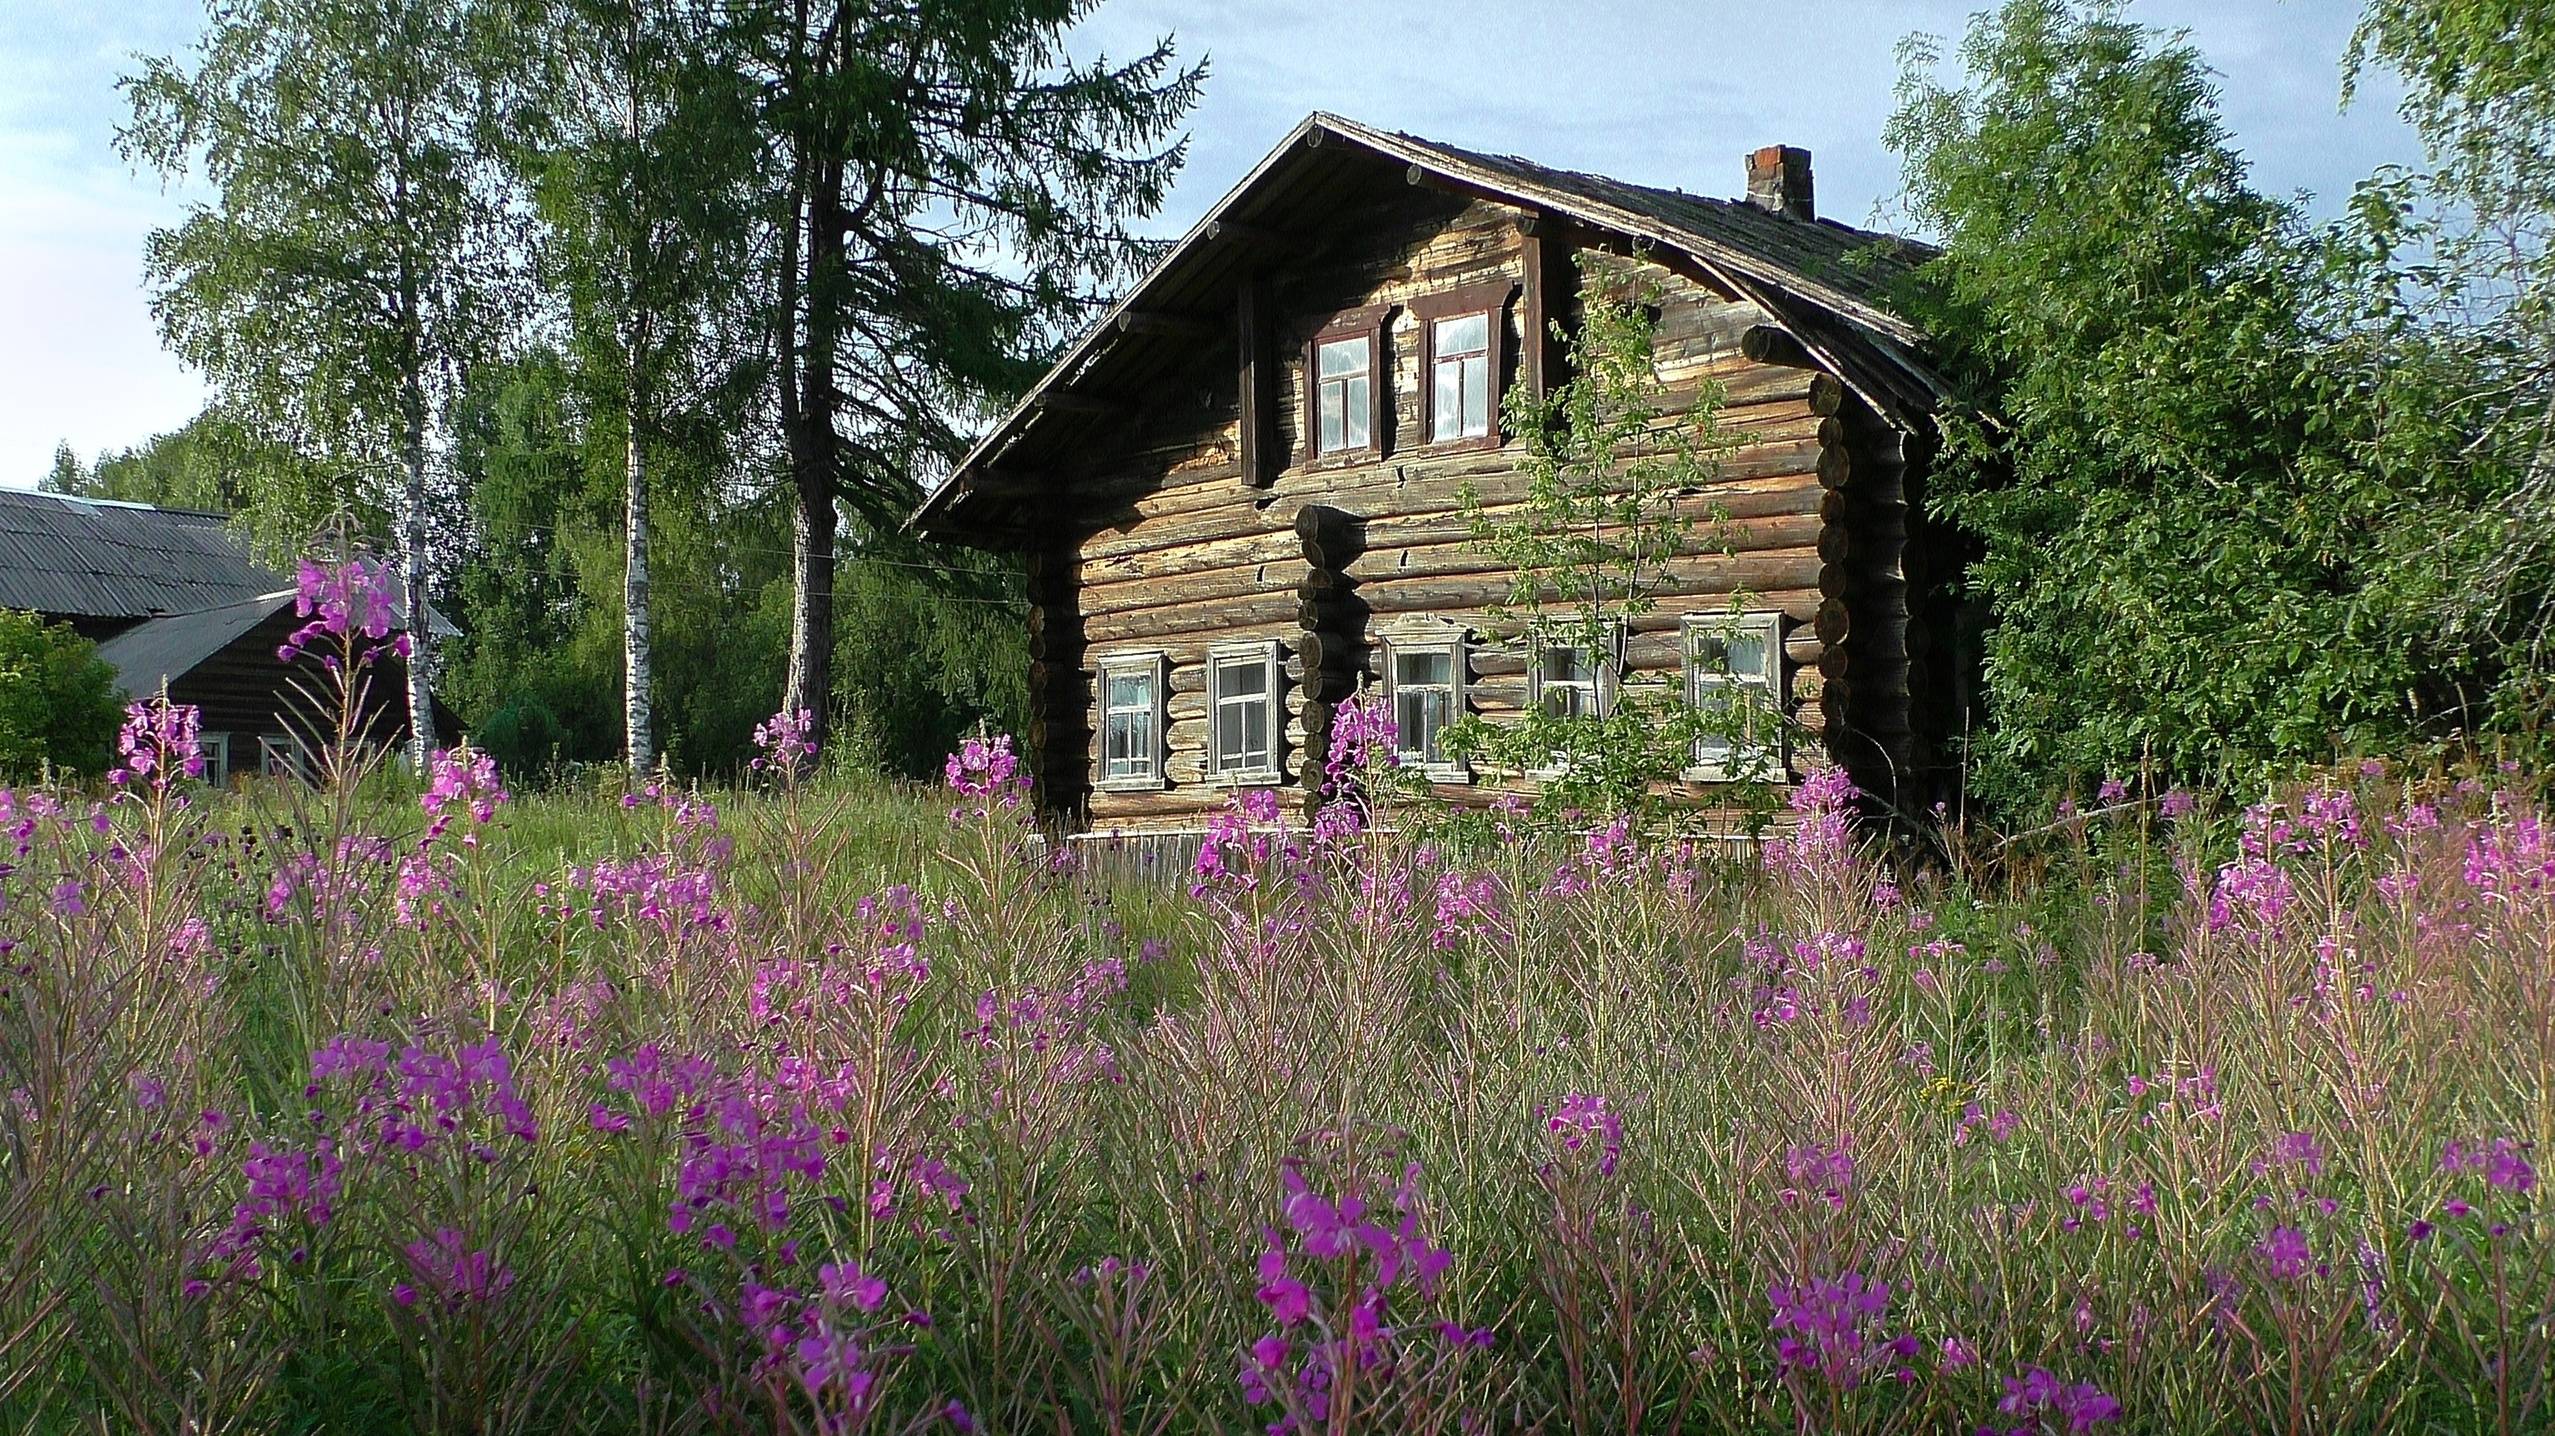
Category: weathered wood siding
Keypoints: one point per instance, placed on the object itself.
(1164, 546)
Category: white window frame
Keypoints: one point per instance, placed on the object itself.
(1154, 668)
(1765, 761)
(215, 750)
(1234, 657)
(1603, 685)
(282, 755)
(1487, 357)
(1423, 636)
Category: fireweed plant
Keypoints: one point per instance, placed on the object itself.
(808, 1107)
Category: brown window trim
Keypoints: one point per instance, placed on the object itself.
(1370, 323)
(1490, 299)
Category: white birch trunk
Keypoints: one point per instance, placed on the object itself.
(637, 710)
(412, 554)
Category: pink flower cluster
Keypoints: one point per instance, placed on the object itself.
(423, 1098)
(1834, 1328)
(2053, 1405)
(986, 774)
(464, 776)
(354, 602)
(787, 743)
(1582, 1118)
(1359, 1256)
(158, 743)
(452, 1270)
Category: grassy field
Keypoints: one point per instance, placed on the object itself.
(838, 1107)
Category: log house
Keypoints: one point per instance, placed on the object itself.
(1237, 496)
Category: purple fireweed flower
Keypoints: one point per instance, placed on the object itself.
(446, 1265)
(831, 1360)
(987, 775)
(1827, 1173)
(1833, 1327)
(2284, 1253)
(2075, 1409)
(787, 747)
(353, 601)
(1582, 1117)
(1821, 845)
(157, 745)
(460, 776)
(845, 1284)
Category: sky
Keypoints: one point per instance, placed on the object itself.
(1666, 92)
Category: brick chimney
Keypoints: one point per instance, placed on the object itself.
(1779, 180)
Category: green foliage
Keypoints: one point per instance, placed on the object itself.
(59, 704)
(2460, 262)
(2203, 546)
(926, 654)
(275, 496)
(1588, 547)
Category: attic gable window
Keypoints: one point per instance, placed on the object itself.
(1464, 338)
(1344, 386)
(1342, 403)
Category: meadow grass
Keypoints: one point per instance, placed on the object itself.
(840, 1106)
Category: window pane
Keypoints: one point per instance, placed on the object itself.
(1242, 676)
(1446, 413)
(1130, 690)
(1466, 334)
(1358, 409)
(1420, 715)
(1746, 651)
(1255, 735)
(1424, 668)
(1228, 736)
(1334, 406)
(1343, 357)
(1561, 665)
(1476, 384)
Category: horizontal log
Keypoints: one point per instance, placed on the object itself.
(1753, 573)
(1409, 515)
(1453, 552)
(1836, 466)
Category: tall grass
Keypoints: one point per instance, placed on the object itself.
(821, 1107)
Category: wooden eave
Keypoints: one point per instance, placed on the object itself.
(1162, 316)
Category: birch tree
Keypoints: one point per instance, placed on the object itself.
(360, 250)
(645, 188)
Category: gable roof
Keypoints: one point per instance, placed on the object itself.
(1823, 281)
(162, 650)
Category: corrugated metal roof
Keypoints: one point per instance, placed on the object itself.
(162, 650)
(67, 556)
(99, 558)
(1828, 283)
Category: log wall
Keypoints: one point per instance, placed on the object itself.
(1168, 545)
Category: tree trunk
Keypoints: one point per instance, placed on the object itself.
(638, 676)
(412, 555)
(812, 329)
(811, 679)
